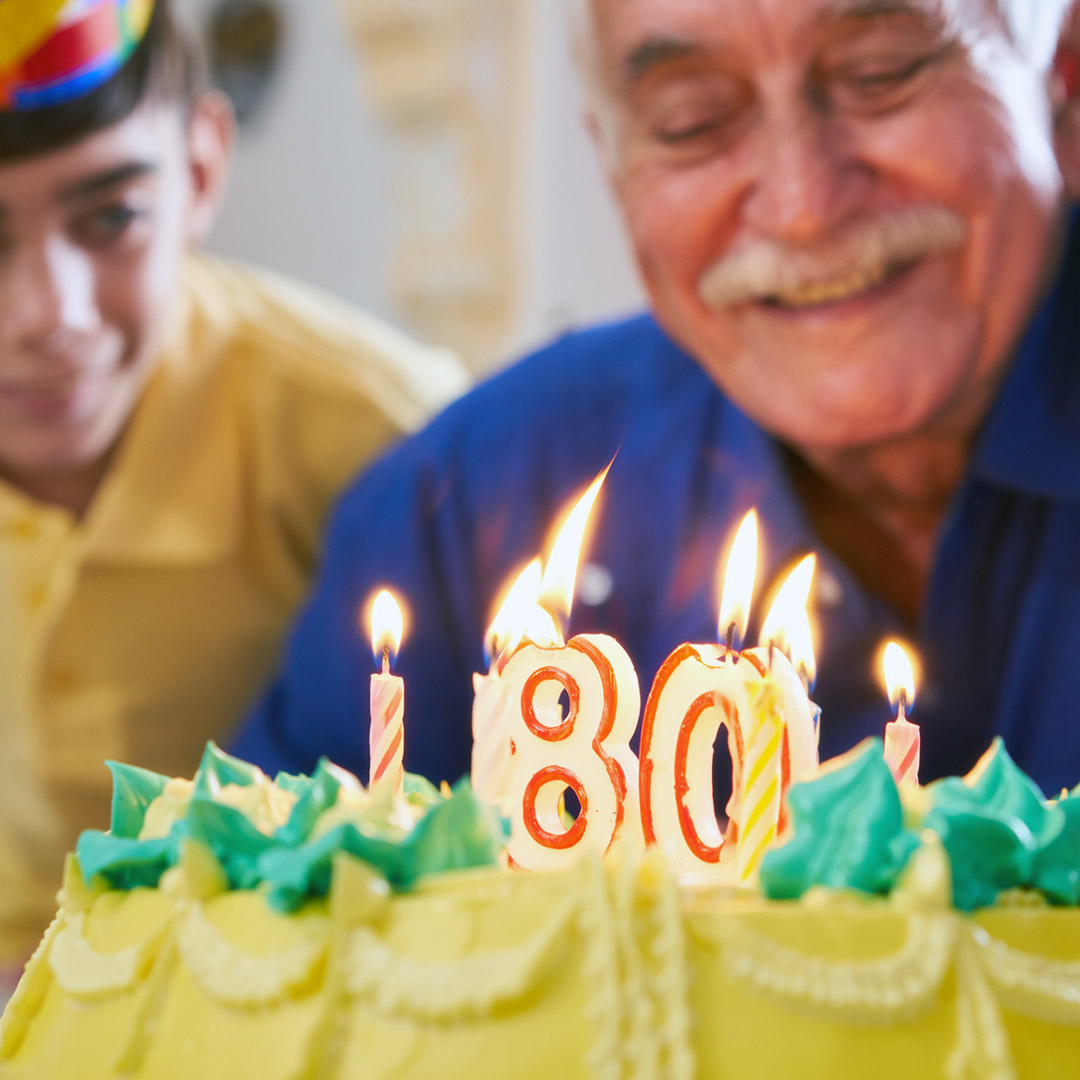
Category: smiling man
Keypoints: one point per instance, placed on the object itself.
(853, 220)
(172, 430)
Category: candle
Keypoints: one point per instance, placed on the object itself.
(387, 731)
(787, 631)
(760, 799)
(785, 639)
(902, 738)
(698, 690)
(583, 747)
(491, 758)
(701, 688)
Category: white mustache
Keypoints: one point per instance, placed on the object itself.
(867, 249)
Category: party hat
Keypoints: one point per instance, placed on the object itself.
(54, 51)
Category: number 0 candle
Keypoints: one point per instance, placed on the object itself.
(387, 732)
(701, 688)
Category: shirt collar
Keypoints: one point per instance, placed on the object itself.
(174, 492)
(1031, 439)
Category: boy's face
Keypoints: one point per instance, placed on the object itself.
(90, 243)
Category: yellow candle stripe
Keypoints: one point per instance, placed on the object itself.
(759, 809)
(764, 760)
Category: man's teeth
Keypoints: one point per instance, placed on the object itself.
(819, 293)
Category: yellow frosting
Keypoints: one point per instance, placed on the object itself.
(603, 972)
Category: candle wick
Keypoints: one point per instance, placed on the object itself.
(386, 659)
(902, 706)
(731, 640)
(772, 649)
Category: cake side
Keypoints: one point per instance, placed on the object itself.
(238, 928)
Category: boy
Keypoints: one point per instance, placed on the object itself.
(171, 430)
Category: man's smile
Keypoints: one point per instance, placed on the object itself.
(831, 292)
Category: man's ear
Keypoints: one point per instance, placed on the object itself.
(1065, 93)
(604, 141)
(210, 136)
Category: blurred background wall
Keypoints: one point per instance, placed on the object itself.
(424, 159)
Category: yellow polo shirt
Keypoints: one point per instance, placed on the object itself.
(146, 628)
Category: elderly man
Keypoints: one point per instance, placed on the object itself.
(852, 217)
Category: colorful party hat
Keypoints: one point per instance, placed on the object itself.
(54, 51)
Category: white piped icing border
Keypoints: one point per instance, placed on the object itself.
(404, 986)
(239, 978)
(84, 972)
(875, 991)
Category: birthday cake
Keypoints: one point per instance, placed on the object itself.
(308, 927)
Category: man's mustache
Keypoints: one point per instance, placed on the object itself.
(870, 249)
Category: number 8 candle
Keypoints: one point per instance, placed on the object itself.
(587, 750)
(387, 732)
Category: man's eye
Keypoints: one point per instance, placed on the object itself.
(877, 84)
(691, 127)
(675, 134)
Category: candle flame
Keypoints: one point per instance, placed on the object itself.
(543, 628)
(515, 613)
(899, 675)
(789, 609)
(560, 575)
(802, 656)
(739, 576)
(387, 626)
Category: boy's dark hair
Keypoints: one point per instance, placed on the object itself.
(164, 67)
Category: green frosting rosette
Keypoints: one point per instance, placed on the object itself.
(1000, 833)
(847, 831)
(283, 835)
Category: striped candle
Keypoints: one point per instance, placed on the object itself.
(759, 806)
(902, 738)
(491, 758)
(902, 749)
(387, 732)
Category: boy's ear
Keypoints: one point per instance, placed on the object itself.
(1065, 92)
(210, 136)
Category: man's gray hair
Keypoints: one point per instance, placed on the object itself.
(1035, 25)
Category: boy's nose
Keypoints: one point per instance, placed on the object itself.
(47, 298)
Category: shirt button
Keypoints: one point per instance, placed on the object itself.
(36, 597)
(64, 680)
(25, 529)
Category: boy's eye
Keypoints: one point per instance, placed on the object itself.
(108, 223)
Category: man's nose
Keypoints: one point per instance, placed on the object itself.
(807, 178)
(46, 297)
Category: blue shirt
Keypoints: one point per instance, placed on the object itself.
(447, 516)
